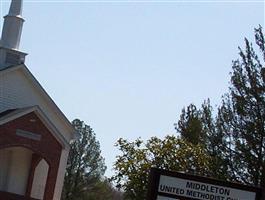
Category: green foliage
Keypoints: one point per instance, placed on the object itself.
(103, 190)
(228, 145)
(190, 125)
(241, 116)
(235, 137)
(133, 165)
(198, 126)
(85, 166)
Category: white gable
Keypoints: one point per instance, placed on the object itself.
(19, 89)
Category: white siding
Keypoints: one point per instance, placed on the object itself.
(16, 91)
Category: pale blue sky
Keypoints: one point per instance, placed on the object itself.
(128, 68)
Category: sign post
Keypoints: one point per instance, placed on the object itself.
(167, 185)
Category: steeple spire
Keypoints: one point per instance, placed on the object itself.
(13, 24)
(15, 8)
(11, 34)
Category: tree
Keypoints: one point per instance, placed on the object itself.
(241, 117)
(103, 190)
(198, 126)
(228, 146)
(85, 166)
(190, 125)
(133, 165)
(214, 141)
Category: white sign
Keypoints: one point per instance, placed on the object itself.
(165, 198)
(198, 190)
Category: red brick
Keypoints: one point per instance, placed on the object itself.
(48, 147)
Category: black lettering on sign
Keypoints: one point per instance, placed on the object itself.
(208, 188)
(172, 190)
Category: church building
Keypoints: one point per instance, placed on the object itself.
(35, 135)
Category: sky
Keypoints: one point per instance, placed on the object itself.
(127, 68)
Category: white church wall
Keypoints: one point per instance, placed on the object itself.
(16, 91)
(19, 170)
(19, 89)
(39, 180)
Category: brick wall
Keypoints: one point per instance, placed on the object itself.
(47, 147)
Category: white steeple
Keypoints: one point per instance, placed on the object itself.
(11, 34)
(13, 24)
(16, 8)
